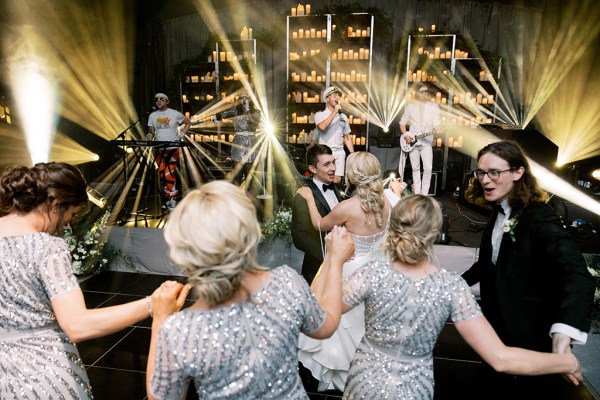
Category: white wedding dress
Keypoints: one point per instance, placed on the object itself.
(329, 359)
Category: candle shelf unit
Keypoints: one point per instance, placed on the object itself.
(322, 51)
(207, 83)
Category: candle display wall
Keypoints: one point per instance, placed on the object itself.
(313, 65)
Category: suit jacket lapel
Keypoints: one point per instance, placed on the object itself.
(318, 195)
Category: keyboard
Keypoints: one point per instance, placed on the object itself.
(149, 143)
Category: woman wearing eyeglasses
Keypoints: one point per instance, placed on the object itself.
(535, 288)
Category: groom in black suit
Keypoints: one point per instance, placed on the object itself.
(535, 288)
(306, 238)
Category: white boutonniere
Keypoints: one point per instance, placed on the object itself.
(509, 227)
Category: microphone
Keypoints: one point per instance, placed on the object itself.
(151, 110)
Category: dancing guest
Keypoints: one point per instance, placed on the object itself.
(326, 194)
(239, 340)
(535, 288)
(408, 300)
(366, 217)
(246, 119)
(43, 313)
(164, 125)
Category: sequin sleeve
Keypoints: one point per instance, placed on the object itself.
(356, 286)
(55, 268)
(464, 305)
(169, 380)
(314, 314)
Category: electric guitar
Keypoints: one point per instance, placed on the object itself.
(407, 147)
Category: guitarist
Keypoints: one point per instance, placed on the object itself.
(423, 116)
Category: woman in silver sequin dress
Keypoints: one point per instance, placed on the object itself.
(42, 310)
(366, 216)
(407, 302)
(239, 339)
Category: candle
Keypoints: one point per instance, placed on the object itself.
(439, 142)
(313, 33)
(481, 75)
(300, 9)
(294, 11)
(221, 56)
(300, 33)
(420, 50)
(438, 97)
(307, 9)
(479, 98)
(419, 76)
(432, 28)
(436, 52)
(250, 33)
(323, 33)
(450, 141)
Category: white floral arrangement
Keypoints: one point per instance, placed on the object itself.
(596, 309)
(278, 228)
(87, 241)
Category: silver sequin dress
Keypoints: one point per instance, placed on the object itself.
(37, 360)
(241, 351)
(403, 318)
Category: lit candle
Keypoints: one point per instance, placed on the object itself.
(293, 11)
(307, 9)
(432, 28)
(439, 142)
(450, 141)
(313, 33)
(481, 75)
(420, 50)
(436, 52)
(250, 33)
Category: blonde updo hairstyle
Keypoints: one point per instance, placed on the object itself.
(363, 171)
(213, 235)
(414, 227)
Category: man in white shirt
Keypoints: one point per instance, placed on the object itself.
(163, 125)
(424, 119)
(333, 129)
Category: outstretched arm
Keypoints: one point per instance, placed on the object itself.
(335, 217)
(480, 335)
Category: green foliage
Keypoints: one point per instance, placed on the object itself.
(87, 242)
(278, 228)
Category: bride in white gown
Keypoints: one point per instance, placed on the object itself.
(366, 216)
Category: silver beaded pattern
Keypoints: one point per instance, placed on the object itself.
(403, 318)
(244, 351)
(37, 359)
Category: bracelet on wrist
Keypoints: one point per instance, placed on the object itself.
(312, 208)
(576, 365)
(149, 303)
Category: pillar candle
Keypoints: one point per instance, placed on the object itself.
(436, 52)
(313, 33)
(307, 9)
(294, 11)
(481, 75)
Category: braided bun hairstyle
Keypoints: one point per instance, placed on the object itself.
(213, 236)
(414, 227)
(22, 189)
(363, 171)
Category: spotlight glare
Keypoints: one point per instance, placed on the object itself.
(269, 128)
(95, 157)
(596, 174)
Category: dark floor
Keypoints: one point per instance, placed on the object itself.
(116, 364)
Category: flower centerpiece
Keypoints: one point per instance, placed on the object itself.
(278, 228)
(87, 241)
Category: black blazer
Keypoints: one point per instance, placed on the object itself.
(304, 235)
(539, 279)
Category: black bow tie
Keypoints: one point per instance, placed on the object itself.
(331, 186)
(497, 207)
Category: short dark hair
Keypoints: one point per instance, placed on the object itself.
(524, 191)
(313, 153)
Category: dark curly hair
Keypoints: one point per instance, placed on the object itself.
(22, 189)
(524, 191)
